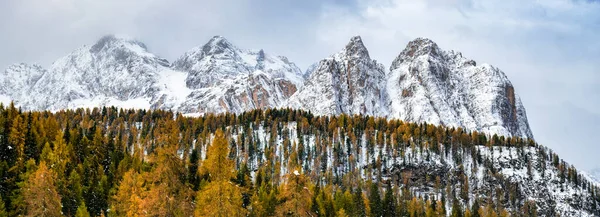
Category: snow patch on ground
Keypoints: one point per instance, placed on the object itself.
(139, 103)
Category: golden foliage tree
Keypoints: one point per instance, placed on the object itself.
(128, 199)
(167, 195)
(40, 194)
(220, 197)
(295, 196)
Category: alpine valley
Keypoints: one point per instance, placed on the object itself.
(434, 124)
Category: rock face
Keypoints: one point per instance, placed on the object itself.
(427, 84)
(347, 82)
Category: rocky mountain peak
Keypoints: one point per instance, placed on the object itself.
(356, 48)
(218, 45)
(416, 48)
(348, 82)
(428, 84)
(113, 41)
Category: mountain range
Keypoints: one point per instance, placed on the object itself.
(423, 84)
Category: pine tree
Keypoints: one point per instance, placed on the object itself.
(264, 200)
(389, 202)
(3, 212)
(439, 208)
(16, 139)
(359, 204)
(167, 195)
(456, 209)
(82, 211)
(341, 213)
(220, 192)
(475, 209)
(72, 194)
(375, 201)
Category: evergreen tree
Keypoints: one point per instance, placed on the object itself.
(130, 195)
(375, 201)
(389, 202)
(359, 204)
(3, 212)
(475, 209)
(82, 211)
(456, 209)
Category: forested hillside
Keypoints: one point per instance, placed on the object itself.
(275, 162)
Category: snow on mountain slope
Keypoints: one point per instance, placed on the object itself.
(5, 99)
(509, 175)
(241, 93)
(225, 78)
(17, 80)
(347, 82)
(427, 84)
(219, 60)
(112, 70)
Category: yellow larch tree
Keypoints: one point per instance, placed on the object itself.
(40, 194)
(295, 195)
(220, 197)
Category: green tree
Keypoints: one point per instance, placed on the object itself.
(389, 202)
(3, 212)
(375, 201)
(82, 211)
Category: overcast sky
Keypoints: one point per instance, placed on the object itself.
(549, 49)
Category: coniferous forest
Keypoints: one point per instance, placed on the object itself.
(275, 162)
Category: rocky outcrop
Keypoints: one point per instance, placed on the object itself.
(347, 82)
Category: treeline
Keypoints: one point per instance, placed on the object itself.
(275, 162)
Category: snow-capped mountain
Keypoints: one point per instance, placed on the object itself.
(219, 60)
(427, 84)
(228, 79)
(347, 82)
(114, 71)
(119, 71)
(424, 84)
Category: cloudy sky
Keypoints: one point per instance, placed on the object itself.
(548, 48)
